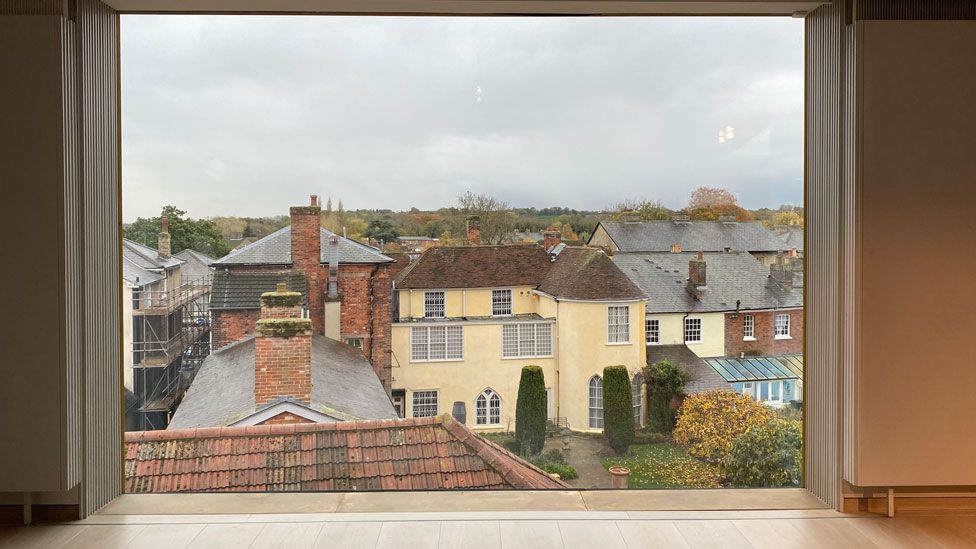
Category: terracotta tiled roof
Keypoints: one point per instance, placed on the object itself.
(433, 453)
(588, 274)
(476, 267)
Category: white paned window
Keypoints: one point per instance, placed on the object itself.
(635, 394)
(652, 330)
(693, 330)
(596, 402)
(618, 324)
(433, 343)
(770, 392)
(488, 408)
(501, 302)
(748, 327)
(424, 403)
(529, 339)
(782, 326)
(433, 304)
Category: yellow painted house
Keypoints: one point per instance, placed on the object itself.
(469, 318)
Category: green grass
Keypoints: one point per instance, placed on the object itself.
(665, 465)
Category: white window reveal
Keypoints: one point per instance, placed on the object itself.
(635, 394)
(693, 330)
(488, 408)
(652, 330)
(596, 402)
(501, 302)
(618, 324)
(433, 304)
(424, 403)
(781, 327)
(527, 339)
(434, 343)
(749, 327)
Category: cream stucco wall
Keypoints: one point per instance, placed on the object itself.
(473, 302)
(713, 332)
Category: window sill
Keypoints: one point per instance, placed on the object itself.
(527, 357)
(436, 361)
(699, 342)
(782, 337)
(748, 339)
(618, 343)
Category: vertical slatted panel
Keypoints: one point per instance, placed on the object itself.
(98, 32)
(849, 247)
(71, 313)
(32, 7)
(824, 73)
(915, 9)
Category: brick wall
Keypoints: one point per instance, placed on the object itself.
(229, 326)
(765, 343)
(306, 256)
(285, 418)
(282, 368)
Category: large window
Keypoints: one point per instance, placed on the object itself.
(424, 403)
(501, 302)
(693, 330)
(618, 324)
(434, 343)
(782, 327)
(433, 304)
(596, 402)
(488, 408)
(748, 327)
(529, 339)
(652, 331)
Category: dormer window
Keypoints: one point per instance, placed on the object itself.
(433, 304)
(501, 302)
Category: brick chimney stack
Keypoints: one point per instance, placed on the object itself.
(282, 349)
(781, 270)
(306, 256)
(551, 238)
(474, 231)
(696, 272)
(163, 245)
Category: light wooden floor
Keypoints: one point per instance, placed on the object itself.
(555, 529)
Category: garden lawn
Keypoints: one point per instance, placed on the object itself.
(664, 465)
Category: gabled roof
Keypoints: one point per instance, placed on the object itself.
(243, 289)
(758, 368)
(195, 264)
(587, 274)
(730, 277)
(135, 275)
(476, 267)
(275, 249)
(429, 453)
(701, 377)
(147, 257)
(692, 236)
(792, 237)
(344, 386)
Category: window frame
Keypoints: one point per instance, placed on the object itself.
(413, 402)
(511, 306)
(489, 396)
(748, 327)
(610, 326)
(428, 295)
(596, 417)
(429, 342)
(656, 331)
(637, 398)
(776, 326)
(701, 331)
(517, 326)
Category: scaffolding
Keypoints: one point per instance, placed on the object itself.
(170, 339)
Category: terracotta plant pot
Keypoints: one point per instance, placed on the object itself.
(619, 477)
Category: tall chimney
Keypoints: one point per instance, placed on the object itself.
(696, 272)
(551, 238)
(781, 270)
(163, 242)
(306, 256)
(474, 231)
(282, 349)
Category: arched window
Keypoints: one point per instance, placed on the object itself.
(635, 393)
(596, 402)
(488, 408)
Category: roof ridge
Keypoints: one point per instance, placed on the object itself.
(272, 430)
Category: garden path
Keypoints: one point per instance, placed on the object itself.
(585, 454)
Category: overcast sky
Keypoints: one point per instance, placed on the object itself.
(234, 115)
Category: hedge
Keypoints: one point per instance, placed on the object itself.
(530, 411)
(664, 382)
(618, 411)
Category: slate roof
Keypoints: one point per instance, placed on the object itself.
(476, 267)
(701, 377)
(242, 290)
(758, 368)
(792, 237)
(730, 277)
(430, 453)
(275, 249)
(138, 276)
(146, 257)
(344, 386)
(195, 265)
(693, 236)
(587, 274)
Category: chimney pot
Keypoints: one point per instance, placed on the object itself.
(315, 200)
(676, 248)
(281, 287)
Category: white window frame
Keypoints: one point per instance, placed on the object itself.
(748, 328)
(613, 327)
(549, 411)
(594, 393)
(701, 330)
(652, 331)
(498, 302)
(769, 385)
(452, 339)
(425, 394)
(777, 327)
(431, 303)
(637, 398)
(521, 329)
(489, 414)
